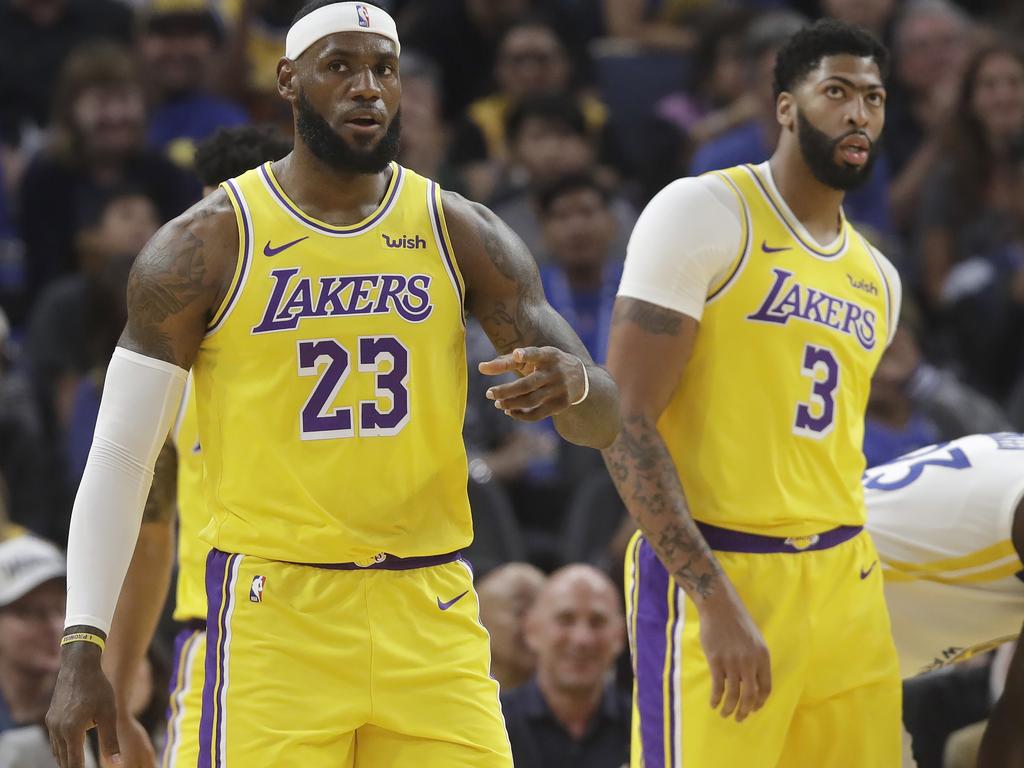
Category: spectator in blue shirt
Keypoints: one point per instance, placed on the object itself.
(178, 45)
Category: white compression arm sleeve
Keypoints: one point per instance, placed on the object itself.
(140, 400)
(684, 241)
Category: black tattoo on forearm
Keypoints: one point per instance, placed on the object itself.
(651, 318)
(162, 493)
(646, 478)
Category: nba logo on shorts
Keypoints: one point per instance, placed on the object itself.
(364, 15)
(256, 590)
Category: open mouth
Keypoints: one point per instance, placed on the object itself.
(855, 149)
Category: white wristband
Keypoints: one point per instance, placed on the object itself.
(586, 383)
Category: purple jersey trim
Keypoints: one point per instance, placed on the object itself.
(433, 195)
(382, 211)
(796, 235)
(745, 248)
(246, 258)
(727, 540)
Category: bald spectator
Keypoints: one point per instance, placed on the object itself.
(569, 715)
(506, 594)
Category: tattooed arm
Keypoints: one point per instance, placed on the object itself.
(504, 293)
(175, 285)
(179, 280)
(647, 354)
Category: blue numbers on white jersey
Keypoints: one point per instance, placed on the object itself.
(904, 471)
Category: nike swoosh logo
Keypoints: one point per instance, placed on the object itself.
(450, 603)
(864, 574)
(768, 249)
(268, 251)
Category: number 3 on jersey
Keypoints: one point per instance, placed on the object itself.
(816, 418)
(319, 421)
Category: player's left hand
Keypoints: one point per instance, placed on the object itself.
(551, 381)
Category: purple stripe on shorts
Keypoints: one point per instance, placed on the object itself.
(217, 569)
(728, 540)
(180, 651)
(651, 647)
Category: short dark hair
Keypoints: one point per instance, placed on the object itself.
(805, 50)
(315, 5)
(581, 181)
(558, 109)
(231, 152)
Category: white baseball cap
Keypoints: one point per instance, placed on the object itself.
(27, 562)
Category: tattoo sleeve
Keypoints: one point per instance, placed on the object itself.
(163, 493)
(505, 294)
(176, 280)
(646, 477)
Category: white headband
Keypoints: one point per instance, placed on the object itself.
(339, 17)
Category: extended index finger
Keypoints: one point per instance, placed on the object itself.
(497, 366)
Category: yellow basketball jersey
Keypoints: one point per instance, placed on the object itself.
(767, 423)
(331, 386)
(190, 592)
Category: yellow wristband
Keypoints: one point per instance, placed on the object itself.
(83, 637)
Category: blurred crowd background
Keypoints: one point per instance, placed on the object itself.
(565, 116)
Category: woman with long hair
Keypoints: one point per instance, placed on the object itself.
(969, 206)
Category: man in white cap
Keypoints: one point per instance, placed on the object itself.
(320, 302)
(32, 573)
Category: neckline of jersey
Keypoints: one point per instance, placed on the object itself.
(762, 175)
(289, 206)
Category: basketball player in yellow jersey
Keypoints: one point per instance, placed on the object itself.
(177, 488)
(320, 302)
(750, 319)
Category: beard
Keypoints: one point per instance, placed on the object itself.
(819, 151)
(332, 149)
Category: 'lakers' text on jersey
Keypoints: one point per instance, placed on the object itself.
(766, 425)
(331, 385)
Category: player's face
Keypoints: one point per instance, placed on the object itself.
(838, 112)
(346, 93)
(30, 629)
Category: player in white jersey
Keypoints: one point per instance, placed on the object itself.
(948, 522)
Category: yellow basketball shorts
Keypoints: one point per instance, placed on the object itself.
(836, 694)
(372, 667)
(186, 700)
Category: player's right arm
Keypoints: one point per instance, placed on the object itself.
(176, 283)
(682, 243)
